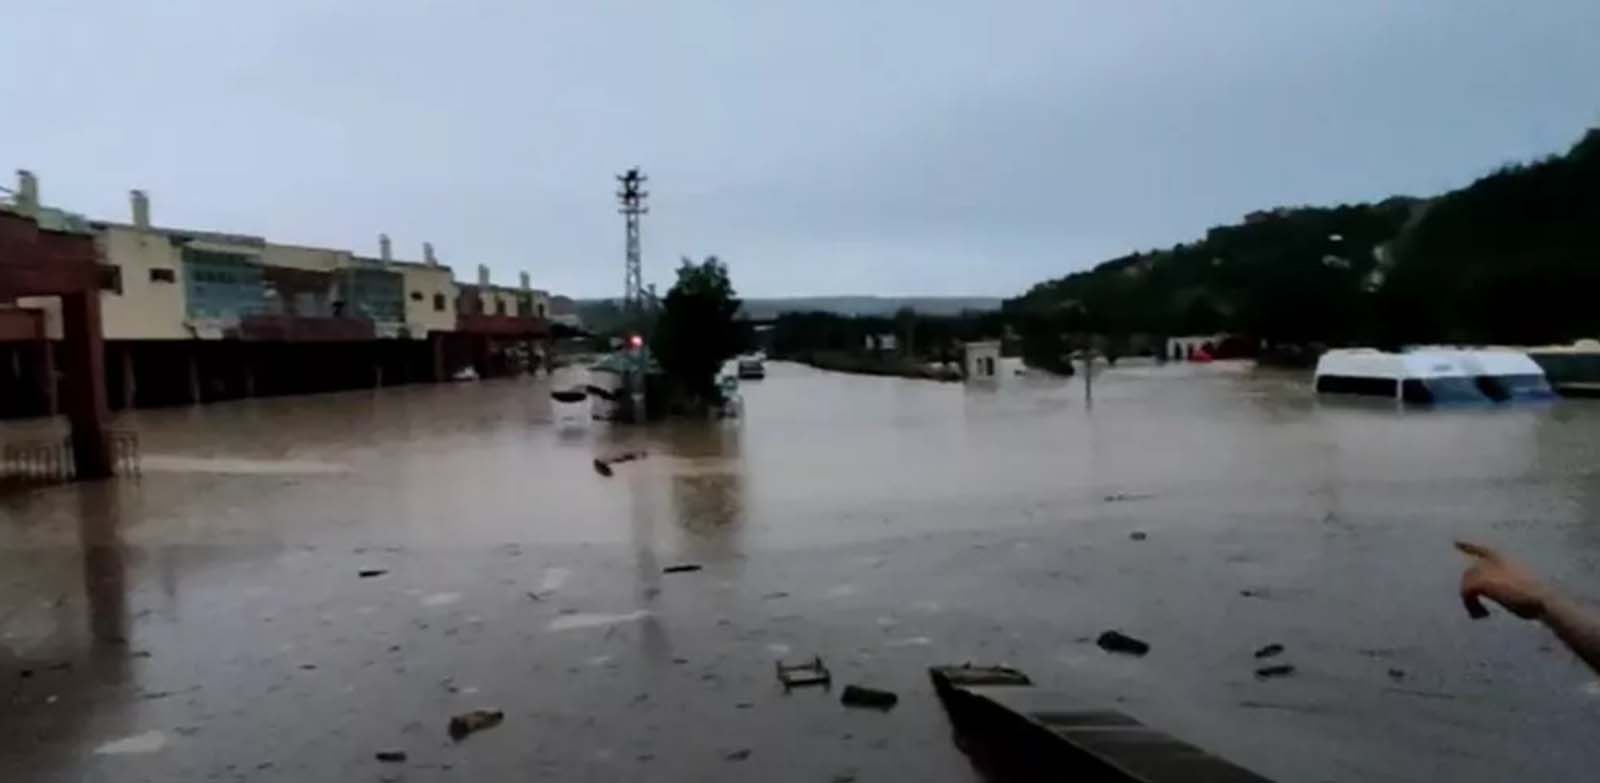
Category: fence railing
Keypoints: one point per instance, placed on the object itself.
(51, 461)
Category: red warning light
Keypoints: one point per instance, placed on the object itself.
(636, 341)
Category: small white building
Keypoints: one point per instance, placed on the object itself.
(981, 360)
(1181, 349)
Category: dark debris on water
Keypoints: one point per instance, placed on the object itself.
(1280, 670)
(1269, 651)
(1119, 642)
(474, 721)
(872, 698)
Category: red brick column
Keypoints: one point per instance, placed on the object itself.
(84, 362)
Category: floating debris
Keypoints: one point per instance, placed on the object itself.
(391, 755)
(968, 675)
(368, 573)
(681, 568)
(1269, 651)
(800, 675)
(148, 742)
(858, 696)
(602, 465)
(1138, 535)
(1123, 496)
(1118, 642)
(474, 721)
(1281, 670)
(1397, 674)
(569, 395)
(738, 755)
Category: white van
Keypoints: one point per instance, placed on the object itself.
(1433, 375)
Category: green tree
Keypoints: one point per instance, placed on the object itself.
(696, 333)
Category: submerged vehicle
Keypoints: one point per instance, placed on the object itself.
(1433, 375)
(751, 368)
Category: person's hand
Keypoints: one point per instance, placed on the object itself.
(1501, 580)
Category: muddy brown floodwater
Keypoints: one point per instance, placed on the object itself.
(209, 620)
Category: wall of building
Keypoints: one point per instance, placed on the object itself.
(151, 304)
(502, 301)
(981, 361)
(430, 298)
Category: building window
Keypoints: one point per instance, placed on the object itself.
(111, 278)
(416, 296)
(499, 307)
(160, 275)
(438, 303)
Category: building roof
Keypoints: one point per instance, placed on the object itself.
(410, 264)
(190, 235)
(52, 219)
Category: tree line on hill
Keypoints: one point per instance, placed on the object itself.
(1514, 257)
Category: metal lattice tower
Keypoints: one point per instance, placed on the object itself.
(632, 197)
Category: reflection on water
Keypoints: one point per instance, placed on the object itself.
(161, 463)
(105, 571)
(820, 458)
(1330, 518)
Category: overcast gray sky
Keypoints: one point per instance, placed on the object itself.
(893, 147)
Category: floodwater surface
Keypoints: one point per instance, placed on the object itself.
(210, 620)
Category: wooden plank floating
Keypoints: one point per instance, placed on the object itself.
(1013, 731)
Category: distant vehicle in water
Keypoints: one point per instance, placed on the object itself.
(1433, 375)
(751, 368)
(732, 400)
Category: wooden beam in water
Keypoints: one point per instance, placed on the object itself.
(1013, 731)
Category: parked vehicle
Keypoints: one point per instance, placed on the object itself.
(751, 368)
(1433, 375)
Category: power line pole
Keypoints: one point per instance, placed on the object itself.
(632, 197)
